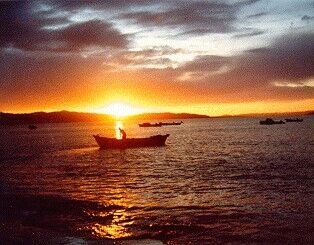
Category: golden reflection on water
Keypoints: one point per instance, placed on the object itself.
(119, 124)
(113, 223)
(115, 229)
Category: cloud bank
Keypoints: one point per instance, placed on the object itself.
(58, 47)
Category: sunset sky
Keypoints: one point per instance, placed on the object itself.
(208, 57)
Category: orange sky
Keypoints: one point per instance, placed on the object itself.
(177, 59)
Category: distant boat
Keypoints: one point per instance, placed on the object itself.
(32, 127)
(146, 124)
(270, 121)
(294, 120)
(171, 123)
(112, 143)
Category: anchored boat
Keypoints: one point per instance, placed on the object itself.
(170, 123)
(112, 143)
(145, 125)
(294, 120)
(270, 121)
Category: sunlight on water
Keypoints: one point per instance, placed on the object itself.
(115, 229)
(76, 151)
(119, 124)
(216, 181)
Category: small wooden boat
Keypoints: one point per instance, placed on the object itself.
(294, 120)
(150, 124)
(112, 143)
(270, 121)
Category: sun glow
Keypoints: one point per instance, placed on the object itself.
(121, 110)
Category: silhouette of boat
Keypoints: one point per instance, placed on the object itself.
(112, 143)
(146, 124)
(32, 127)
(171, 123)
(294, 120)
(270, 121)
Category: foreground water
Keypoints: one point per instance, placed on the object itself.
(216, 181)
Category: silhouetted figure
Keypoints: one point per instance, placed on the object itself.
(123, 133)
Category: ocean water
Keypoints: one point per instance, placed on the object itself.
(226, 180)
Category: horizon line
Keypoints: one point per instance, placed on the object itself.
(165, 112)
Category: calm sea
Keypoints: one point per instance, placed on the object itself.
(216, 181)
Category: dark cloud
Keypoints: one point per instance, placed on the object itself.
(290, 60)
(246, 2)
(197, 31)
(125, 4)
(279, 71)
(47, 26)
(91, 33)
(249, 34)
(207, 63)
(253, 16)
(156, 56)
(192, 17)
(245, 77)
(108, 4)
(307, 18)
(290, 57)
(23, 28)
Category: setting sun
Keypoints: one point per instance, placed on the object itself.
(156, 122)
(121, 109)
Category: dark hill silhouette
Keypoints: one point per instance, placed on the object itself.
(272, 114)
(51, 117)
(166, 115)
(67, 117)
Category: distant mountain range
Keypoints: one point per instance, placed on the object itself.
(67, 117)
(273, 114)
(166, 115)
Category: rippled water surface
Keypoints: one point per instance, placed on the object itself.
(215, 181)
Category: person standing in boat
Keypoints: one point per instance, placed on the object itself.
(123, 133)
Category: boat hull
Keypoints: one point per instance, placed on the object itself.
(294, 120)
(147, 125)
(171, 124)
(112, 143)
(270, 121)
